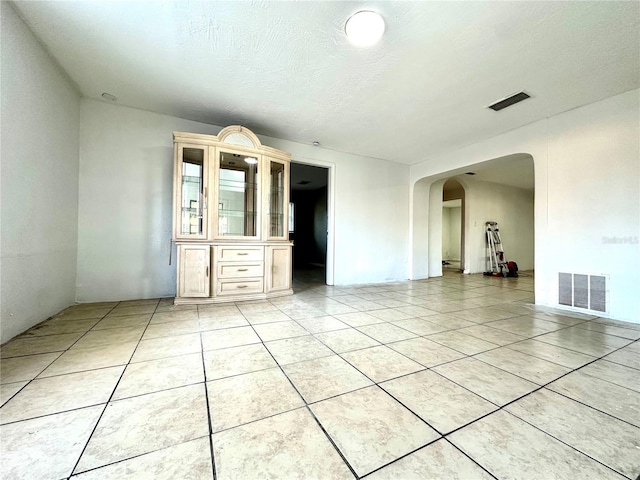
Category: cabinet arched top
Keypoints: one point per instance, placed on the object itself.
(236, 135)
(239, 135)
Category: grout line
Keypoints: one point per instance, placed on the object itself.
(95, 427)
(578, 351)
(544, 386)
(75, 475)
(336, 448)
(37, 377)
(28, 381)
(226, 429)
(306, 405)
(470, 457)
(493, 411)
(592, 407)
(567, 444)
(206, 398)
(374, 383)
(52, 414)
(61, 352)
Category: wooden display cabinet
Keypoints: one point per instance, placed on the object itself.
(231, 197)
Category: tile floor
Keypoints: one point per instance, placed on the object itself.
(451, 377)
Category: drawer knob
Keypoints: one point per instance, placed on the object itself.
(241, 286)
(243, 253)
(243, 269)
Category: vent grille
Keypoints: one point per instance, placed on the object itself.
(588, 292)
(507, 102)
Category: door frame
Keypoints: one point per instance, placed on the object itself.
(329, 262)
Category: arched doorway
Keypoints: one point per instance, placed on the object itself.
(500, 190)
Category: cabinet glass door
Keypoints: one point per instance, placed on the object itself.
(277, 201)
(237, 195)
(192, 218)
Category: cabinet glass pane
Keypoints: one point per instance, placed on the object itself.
(238, 195)
(192, 188)
(276, 201)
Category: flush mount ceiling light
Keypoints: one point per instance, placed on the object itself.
(251, 160)
(364, 28)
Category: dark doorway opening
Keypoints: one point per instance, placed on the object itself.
(309, 227)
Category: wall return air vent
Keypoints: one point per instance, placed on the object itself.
(587, 292)
(507, 102)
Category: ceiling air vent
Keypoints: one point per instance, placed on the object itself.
(588, 292)
(507, 102)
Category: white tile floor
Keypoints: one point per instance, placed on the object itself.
(452, 377)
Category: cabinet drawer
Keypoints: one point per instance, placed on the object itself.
(240, 287)
(240, 270)
(237, 254)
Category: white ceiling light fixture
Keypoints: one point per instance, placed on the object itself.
(251, 160)
(364, 28)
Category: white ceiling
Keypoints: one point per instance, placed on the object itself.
(285, 69)
(514, 170)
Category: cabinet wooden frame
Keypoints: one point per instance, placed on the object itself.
(178, 192)
(216, 268)
(268, 199)
(194, 271)
(216, 195)
(279, 268)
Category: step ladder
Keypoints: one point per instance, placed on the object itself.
(496, 263)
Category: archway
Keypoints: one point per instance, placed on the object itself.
(495, 189)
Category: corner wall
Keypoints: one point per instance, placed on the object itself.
(587, 195)
(39, 181)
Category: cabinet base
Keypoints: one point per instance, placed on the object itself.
(230, 298)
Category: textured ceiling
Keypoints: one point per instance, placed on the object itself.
(285, 69)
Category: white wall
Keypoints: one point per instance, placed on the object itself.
(587, 190)
(455, 227)
(446, 233)
(512, 208)
(420, 214)
(39, 181)
(451, 232)
(371, 213)
(594, 195)
(126, 164)
(124, 221)
(435, 234)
